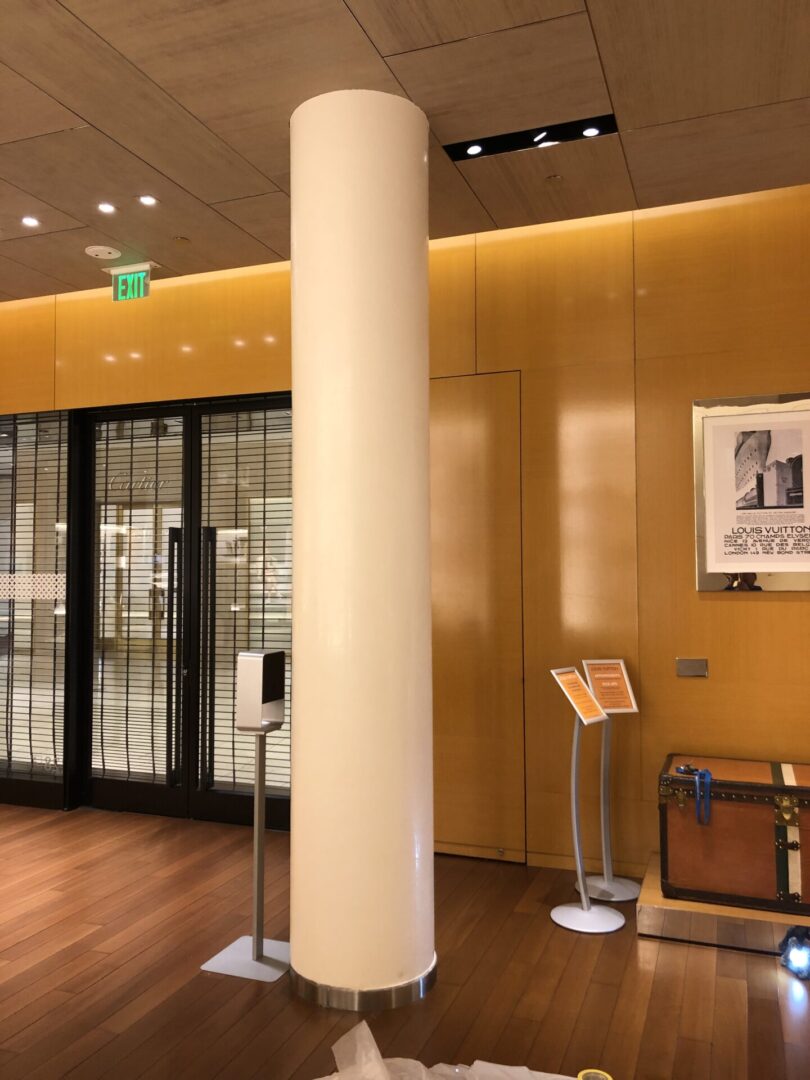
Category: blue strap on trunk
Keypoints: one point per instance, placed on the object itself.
(703, 796)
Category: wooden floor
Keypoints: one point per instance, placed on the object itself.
(105, 920)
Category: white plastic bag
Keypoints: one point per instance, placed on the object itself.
(357, 1057)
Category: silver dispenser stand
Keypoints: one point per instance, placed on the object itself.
(583, 917)
(259, 711)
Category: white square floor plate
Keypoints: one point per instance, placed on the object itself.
(237, 959)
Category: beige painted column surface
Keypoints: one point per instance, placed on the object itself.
(362, 803)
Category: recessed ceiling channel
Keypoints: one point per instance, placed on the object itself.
(539, 137)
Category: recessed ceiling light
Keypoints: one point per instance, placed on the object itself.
(185, 348)
(109, 358)
(106, 208)
(548, 142)
(474, 149)
(239, 342)
(542, 135)
(147, 200)
(590, 132)
(31, 222)
(135, 355)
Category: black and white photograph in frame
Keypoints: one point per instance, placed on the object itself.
(752, 521)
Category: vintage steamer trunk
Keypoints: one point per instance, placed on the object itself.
(755, 849)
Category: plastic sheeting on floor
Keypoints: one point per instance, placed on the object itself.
(358, 1058)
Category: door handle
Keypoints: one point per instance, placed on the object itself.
(208, 652)
(174, 656)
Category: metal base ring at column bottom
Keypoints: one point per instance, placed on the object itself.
(386, 997)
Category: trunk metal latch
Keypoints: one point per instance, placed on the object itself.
(787, 809)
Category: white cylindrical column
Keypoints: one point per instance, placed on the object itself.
(362, 787)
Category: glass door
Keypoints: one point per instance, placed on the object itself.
(33, 516)
(191, 563)
(245, 598)
(139, 667)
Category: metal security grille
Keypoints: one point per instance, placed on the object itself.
(246, 572)
(33, 542)
(138, 599)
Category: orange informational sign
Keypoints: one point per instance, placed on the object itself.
(576, 690)
(610, 684)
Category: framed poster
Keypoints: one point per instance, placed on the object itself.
(579, 695)
(610, 684)
(752, 515)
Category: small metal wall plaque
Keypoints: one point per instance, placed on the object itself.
(691, 667)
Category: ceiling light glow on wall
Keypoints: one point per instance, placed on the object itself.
(147, 200)
(30, 221)
(106, 208)
(539, 137)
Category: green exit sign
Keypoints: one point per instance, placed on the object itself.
(131, 284)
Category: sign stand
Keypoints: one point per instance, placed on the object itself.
(583, 917)
(605, 886)
(259, 710)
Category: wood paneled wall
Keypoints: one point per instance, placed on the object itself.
(477, 616)
(722, 311)
(565, 358)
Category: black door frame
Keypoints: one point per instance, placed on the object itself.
(189, 798)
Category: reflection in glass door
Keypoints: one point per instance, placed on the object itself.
(246, 572)
(138, 684)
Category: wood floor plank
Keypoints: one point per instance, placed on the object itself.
(623, 1042)
(587, 1042)
(558, 1024)
(659, 1039)
(697, 1009)
(730, 1029)
(766, 1051)
(693, 1060)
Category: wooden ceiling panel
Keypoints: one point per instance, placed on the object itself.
(62, 255)
(572, 180)
(27, 111)
(749, 150)
(267, 217)
(15, 204)
(514, 79)
(75, 170)
(48, 45)
(18, 282)
(668, 61)
(243, 71)
(397, 26)
(453, 207)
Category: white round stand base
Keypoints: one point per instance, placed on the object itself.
(597, 920)
(617, 889)
(237, 959)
